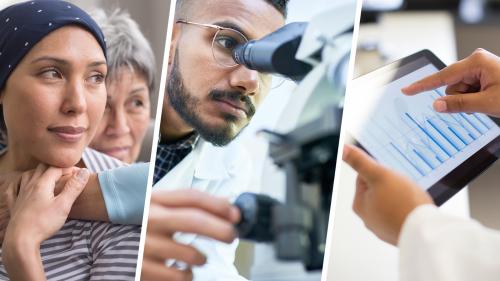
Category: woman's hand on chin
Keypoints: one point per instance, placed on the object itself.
(9, 188)
(37, 213)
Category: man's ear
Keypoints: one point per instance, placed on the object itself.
(176, 33)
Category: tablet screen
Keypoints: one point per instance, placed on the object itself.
(405, 133)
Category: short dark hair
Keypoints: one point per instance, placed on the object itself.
(183, 5)
(280, 5)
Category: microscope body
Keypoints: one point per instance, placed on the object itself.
(306, 153)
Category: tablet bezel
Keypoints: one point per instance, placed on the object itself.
(468, 170)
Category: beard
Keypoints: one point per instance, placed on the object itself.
(187, 105)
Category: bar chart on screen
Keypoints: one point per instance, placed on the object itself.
(411, 137)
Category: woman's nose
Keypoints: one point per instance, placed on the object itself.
(75, 101)
(117, 123)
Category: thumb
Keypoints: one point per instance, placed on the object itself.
(361, 162)
(73, 188)
(473, 102)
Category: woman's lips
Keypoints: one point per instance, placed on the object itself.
(68, 134)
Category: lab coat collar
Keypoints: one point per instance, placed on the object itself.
(213, 162)
(205, 163)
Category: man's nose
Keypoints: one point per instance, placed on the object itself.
(245, 80)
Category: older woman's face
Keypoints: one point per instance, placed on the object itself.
(126, 118)
(55, 97)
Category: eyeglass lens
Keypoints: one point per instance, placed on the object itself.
(223, 44)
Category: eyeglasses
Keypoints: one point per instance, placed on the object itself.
(225, 40)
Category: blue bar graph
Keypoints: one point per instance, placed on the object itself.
(419, 142)
(406, 134)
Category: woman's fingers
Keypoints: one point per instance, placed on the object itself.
(72, 189)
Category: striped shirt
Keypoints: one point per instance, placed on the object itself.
(85, 250)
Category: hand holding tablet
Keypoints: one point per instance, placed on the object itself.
(383, 197)
(441, 152)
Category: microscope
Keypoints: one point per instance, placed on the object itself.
(316, 56)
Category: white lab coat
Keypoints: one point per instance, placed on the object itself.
(220, 171)
(439, 247)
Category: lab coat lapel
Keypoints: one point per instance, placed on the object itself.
(211, 166)
(181, 176)
(203, 165)
(200, 169)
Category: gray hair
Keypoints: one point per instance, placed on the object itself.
(125, 45)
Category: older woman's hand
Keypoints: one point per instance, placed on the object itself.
(37, 214)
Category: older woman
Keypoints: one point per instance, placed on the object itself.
(52, 73)
(131, 72)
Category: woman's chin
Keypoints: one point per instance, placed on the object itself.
(62, 160)
(63, 163)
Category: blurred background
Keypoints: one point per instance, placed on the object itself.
(152, 17)
(390, 30)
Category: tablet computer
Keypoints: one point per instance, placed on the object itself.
(441, 152)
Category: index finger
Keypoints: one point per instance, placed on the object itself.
(189, 198)
(447, 76)
(49, 178)
(361, 162)
(190, 220)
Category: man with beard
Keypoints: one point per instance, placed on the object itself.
(208, 101)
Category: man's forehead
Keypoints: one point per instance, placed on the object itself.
(255, 18)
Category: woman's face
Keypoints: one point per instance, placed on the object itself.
(55, 98)
(126, 118)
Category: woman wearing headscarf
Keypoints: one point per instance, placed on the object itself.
(52, 73)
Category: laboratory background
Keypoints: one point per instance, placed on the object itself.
(288, 106)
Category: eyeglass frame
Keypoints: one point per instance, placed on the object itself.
(219, 28)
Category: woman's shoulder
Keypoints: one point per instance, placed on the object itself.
(97, 161)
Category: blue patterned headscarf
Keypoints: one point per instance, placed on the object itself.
(25, 24)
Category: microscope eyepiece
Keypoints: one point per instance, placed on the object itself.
(241, 54)
(275, 53)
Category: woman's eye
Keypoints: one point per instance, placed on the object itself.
(137, 103)
(226, 42)
(97, 79)
(51, 74)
